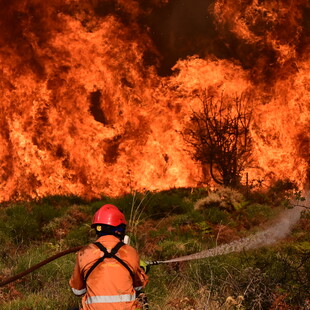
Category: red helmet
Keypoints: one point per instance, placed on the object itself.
(109, 215)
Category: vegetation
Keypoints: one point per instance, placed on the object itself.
(219, 135)
(164, 225)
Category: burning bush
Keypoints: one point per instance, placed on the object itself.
(219, 135)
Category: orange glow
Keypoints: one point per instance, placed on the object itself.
(82, 112)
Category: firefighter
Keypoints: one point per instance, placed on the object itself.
(107, 273)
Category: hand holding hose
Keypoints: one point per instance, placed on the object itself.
(145, 266)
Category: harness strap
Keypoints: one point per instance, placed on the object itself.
(107, 254)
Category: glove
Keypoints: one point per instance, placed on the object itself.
(144, 266)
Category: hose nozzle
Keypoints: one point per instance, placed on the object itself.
(153, 263)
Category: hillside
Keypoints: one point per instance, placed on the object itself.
(164, 225)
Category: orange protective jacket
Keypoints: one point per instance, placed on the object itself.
(110, 285)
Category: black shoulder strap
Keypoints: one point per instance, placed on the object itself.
(109, 255)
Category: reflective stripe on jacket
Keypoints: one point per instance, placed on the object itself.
(110, 285)
(109, 299)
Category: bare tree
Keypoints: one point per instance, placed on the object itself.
(220, 136)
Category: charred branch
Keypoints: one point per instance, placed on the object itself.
(219, 136)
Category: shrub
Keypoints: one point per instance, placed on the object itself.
(152, 205)
(61, 201)
(216, 216)
(166, 203)
(281, 192)
(223, 198)
(72, 216)
(21, 225)
(79, 236)
(24, 223)
(187, 218)
(257, 213)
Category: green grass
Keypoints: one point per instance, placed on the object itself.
(164, 225)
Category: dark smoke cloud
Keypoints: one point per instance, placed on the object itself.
(20, 21)
(305, 35)
(177, 28)
(183, 28)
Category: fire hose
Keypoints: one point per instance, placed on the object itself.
(37, 266)
(266, 237)
(50, 259)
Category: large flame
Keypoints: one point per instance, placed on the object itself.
(95, 93)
